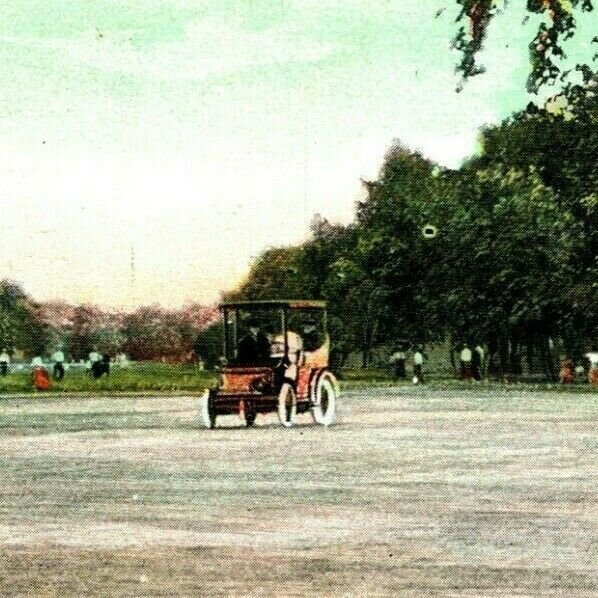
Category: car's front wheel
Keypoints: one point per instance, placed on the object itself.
(325, 395)
(206, 410)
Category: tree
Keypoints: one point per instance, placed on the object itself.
(545, 49)
(208, 344)
(560, 148)
(21, 326)
(393, 249)
(274, 275)
(153, 334)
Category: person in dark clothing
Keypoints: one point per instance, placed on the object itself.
(311, 337)
(58, 371)
(398, 359)
(4, 361)
(254, 347)
(97, 369)
(106, 364)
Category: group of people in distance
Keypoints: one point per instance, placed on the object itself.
(98, 365)
(398, 360)
(471, 362)
(568, 371)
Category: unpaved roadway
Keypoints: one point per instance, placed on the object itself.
(414, 492)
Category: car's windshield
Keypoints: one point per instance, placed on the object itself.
(256, 335)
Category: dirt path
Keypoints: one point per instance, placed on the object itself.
(414, 492)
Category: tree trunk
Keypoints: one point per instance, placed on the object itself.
(529, 354)
(365, 358)
(452, 357)
(503, 355)
(547, 359)
(493, 368)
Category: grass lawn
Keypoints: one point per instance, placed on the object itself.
(138, 377)
(164, 378)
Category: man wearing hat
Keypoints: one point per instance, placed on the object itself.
(254, 347)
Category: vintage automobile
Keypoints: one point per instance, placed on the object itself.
(275, 360)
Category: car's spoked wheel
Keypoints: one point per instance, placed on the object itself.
(287, 406)
(326, 393)
(206, 410)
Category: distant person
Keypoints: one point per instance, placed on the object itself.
(566, 373)
(465, 358)
(4, 362)
(58, 359)
(593, 371)
(254, 347)
(106, 364)
(398, 359)
(97, 369)
(40, 375)
(94, 364)
(418, 366)
(477, 362)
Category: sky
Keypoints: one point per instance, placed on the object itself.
(151, 149)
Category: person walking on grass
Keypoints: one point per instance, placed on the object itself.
(4, 362)
(418, 366)
(96, 367)
(465, 357)
(477, 362)
(397, 359)
(106, 364)
(40, 375)
(58, 360)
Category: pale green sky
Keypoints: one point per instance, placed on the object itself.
(193, 134)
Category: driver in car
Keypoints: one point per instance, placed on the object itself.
(254, 347)
(311, 336)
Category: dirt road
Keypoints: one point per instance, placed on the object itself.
(413, 492)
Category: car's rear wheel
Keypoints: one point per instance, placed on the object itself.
(206, 410)
(325, 395)
(287, 405)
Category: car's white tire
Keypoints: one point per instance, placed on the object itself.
(326, 392)
(287, 405)
(206, 414)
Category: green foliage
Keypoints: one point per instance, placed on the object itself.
(20, 326)
(511, 260)
(545, 50)
(136, 378)
(208, 344)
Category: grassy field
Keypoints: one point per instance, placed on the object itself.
(415, 491)
(138, 377)
(165, 378)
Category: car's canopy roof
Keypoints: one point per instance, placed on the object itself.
(276, 304)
